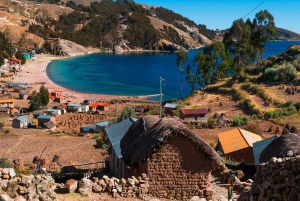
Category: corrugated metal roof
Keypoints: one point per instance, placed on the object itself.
(171, 105)
(116, 132)
(7, 100)
(74, 105)
(194, 111)
(21, 118)
(52, 110)
(250, 137)
(103, 123)
(85, 128)
(259, 146)
(44, 116)
(237, 139)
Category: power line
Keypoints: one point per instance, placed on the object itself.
(254, 8)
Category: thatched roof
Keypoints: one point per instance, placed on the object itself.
(149, 133)
(280, 147)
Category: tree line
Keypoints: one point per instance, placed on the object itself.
(242, 45)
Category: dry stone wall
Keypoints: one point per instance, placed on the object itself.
(277, 180)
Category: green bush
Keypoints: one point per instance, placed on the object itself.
(297, 106)
(289, 103)
(239, 120)
(211, 123)
(4, 163)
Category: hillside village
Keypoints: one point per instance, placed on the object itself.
(58, 144)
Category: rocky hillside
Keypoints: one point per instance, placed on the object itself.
(111, 26)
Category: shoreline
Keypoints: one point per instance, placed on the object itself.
(34, 73)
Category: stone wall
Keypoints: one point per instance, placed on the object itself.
(179, 170)
(277, 180)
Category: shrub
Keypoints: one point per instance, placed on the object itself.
(289, 103)
(254, 117)
(4, 163)
(297, 106)
(211, 123)
(239, 120)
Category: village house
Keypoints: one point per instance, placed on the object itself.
(7, 103)
(14, 63)
(71, 107)
(103, 106)
(169, 107)
(237, 144)
(20, 122)
(171, 155)
(56, 96)
(44, 119)
(51, 111)
(115, 133)
(20, 84)
(194, 114)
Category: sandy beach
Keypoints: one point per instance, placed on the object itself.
(34, 73)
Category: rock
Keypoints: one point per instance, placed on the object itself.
(11, 172)
(195, 198)
(22, 190)
(12, 188)
(84, 186)
(131, 182)
(71, 185)
(5, 176)
(19, 198)
(5, 197)
(3, 183)
(97, 189)
(25, 180)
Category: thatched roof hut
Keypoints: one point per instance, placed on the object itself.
(280, 147)
(150, 133)
(171, 155)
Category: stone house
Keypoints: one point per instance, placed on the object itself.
(44, 119)
(103, 106)
(169, 107)
(56, 96)
(237, 144)
(193, 114)
(115, 133)
(171, 155)
(20, 122)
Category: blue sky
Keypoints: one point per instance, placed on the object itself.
(221, 13)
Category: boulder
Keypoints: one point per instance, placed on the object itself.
(84, 186)
(12, 188)
(97, 189)
(19, 198)
(71, 185)
(5, 197)
(10, 171)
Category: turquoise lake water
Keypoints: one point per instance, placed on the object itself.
(130, 74)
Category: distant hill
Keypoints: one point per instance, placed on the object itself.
(284, 34)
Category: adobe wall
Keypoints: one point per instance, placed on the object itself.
(179, 170)
(246, 155)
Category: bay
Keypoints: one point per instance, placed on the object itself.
(131, 74)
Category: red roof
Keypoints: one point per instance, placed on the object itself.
(15, 59)
(98, 104)
(194, 111)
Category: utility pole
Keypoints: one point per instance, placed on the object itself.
(160, 93)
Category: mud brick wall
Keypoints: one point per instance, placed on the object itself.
(245, 155)
(179, 170)
(277, 180)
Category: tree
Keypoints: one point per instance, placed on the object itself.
(222, 61)
(182, 57)
(35, 101)
(204, 64)
(44, 95)
(20, 55)
(6, 50)
(127, 113)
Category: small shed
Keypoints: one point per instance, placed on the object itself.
(115, 133)
(51, 110)
(259, 146)
(50, 125)
(237, 144)
(44, 119)
(20, 122)
(169, 107)
(193, 114)
(100, 126)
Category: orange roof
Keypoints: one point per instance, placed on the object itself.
(7, 101)
(15, 59)
(237, 139)
(98, 104)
